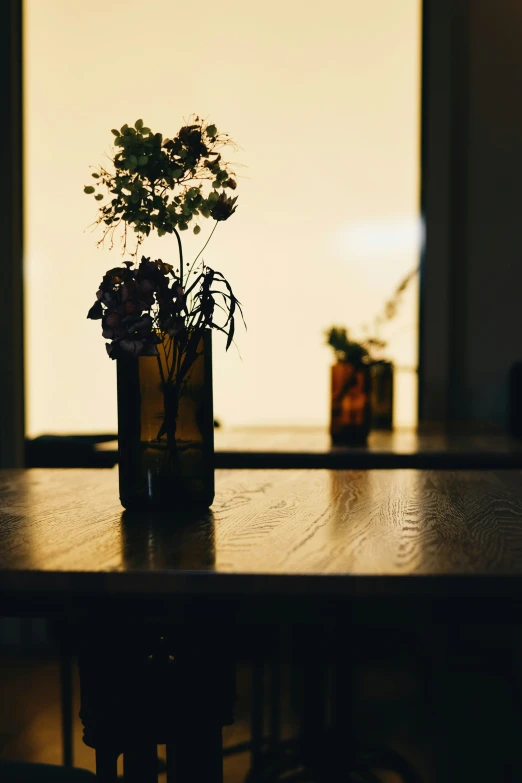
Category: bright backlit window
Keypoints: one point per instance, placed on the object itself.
(324, 101)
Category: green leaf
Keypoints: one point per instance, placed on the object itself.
(145, 130)
(182, 226)
(88, 189)
(96, 176)
(211, 131)
(133, 159)
(124, 129)
(98, 196)
(197, 229)
(143, 160)
(115, 132)
(138, 124)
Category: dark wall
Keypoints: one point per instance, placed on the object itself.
(493, 317)
(471, 318)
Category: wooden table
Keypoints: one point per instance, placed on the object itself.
(63, 534)
(288, 546)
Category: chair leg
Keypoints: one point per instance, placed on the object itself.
(140, 763)
(196, 754)
(141, 687)
(257, 716)
(106, 764)
(66, 697)
(275, 692)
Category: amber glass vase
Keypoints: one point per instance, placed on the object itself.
(382, 395)
(166, 428)
(350, 404)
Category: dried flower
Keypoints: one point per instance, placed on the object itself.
(224, 207)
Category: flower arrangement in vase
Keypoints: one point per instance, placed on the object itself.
(158, 317)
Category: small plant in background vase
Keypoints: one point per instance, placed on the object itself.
(350, 410)
(363, 373)
(158, 317)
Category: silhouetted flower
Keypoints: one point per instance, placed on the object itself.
(139, 307)
(131, 307)
(224, 207)
(96, 311)
(112, 325)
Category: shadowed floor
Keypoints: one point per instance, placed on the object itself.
(461, 722)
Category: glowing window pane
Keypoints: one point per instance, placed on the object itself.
(324, 100)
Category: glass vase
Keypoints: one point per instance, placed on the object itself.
(166, 428)
(350, 404)
(382, 395)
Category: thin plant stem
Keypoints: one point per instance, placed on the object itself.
(180, 251)
(202, 249)
(161, 371)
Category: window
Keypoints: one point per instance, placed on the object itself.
(325, 103)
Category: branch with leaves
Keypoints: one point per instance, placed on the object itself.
(163, 185)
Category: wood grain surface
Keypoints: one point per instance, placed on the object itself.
(268, 532)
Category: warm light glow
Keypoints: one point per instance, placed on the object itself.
(365, 239)
(324, 101)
